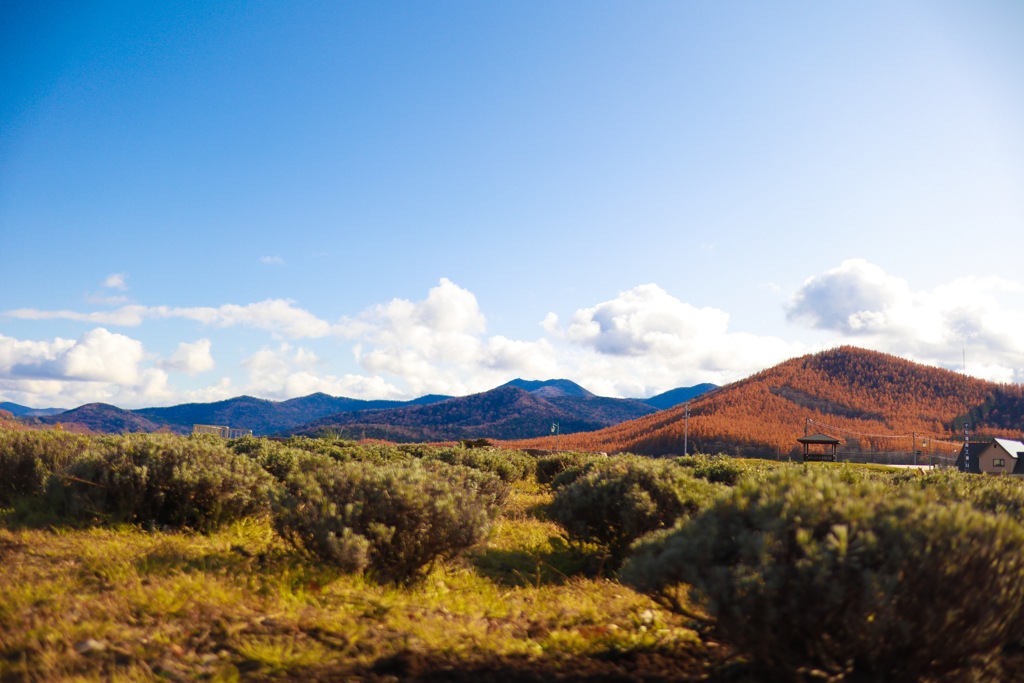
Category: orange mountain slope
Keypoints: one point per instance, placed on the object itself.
(868, 399)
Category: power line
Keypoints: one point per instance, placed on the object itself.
(879, 436)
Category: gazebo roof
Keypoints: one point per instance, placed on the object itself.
(819, 439)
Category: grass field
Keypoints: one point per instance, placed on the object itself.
(238, 604)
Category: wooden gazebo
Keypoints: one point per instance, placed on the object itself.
(826, 452)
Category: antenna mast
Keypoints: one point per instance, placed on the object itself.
(686, 431)
(967, 433)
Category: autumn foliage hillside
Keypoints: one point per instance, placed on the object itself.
(869, 400)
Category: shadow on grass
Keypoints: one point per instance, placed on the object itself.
(536, 567)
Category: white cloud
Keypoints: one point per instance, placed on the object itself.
(116, 281)
(288, 372)
(277, 316)
(102, 356)
(97, 356)
(191, 358)
(642, 320)
(642, 342)
(272, 260)
(851, 299)
(863, 305)
(646, 340)
(98, 366)
(126, 316)
(438, 345)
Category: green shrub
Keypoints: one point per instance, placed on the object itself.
(808, 573)
(393, 520)
(621, 500)
(158, 480)
(27, 459)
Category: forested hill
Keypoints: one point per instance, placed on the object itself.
(852, 393)
(557, 400)
(260, 415)
(507, 412)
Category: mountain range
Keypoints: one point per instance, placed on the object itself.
(516, 410)
(870, 400)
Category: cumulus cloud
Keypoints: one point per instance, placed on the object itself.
(642, 342)
(438, 345)
(277, 316)
(98, 366)
(646, 340)
(854, 298)
(191, 359)
(863, 305)
(97, 356)
(642, 320)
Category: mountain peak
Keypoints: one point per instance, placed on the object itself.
(549, 388)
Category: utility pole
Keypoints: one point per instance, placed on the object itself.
(554, 430)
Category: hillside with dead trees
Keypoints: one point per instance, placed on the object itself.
(870, 400)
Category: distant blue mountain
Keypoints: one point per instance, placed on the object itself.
(549, 388)
(263, 416)
(674, 397)
(521, 408)
(25, 411)
(558, 388)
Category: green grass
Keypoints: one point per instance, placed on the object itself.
(123, 603)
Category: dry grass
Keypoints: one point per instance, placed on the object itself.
(128, 604)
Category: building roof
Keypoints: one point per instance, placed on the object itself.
(1014, 448)
(819, 439)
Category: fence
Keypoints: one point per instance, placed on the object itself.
(904, 458)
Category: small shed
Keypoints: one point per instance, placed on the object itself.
(825, 447)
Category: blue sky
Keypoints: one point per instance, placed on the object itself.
(382, 200)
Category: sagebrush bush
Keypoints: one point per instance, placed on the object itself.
(718, 469)
(158, 480)
(549, 467)
(27, 459)
(509, 465)
(623, 499)
(1001, 495)
(343, 450)
(817, 571)
(277, 458)
(392, 520)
